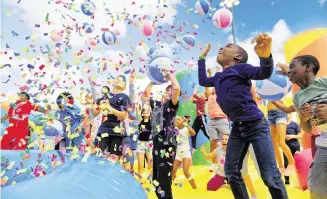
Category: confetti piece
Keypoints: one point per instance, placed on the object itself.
(11, 164)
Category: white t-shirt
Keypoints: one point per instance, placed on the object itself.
(182, 139)
(220, 155)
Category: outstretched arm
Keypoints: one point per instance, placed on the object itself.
(148, 90)
(207, 156)
(263, 50)
(202, 74)
(176, 88)
(283, 108)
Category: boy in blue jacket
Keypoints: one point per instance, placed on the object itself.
(233, 88)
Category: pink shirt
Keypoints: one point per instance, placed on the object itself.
(200, 105)
(214, 109)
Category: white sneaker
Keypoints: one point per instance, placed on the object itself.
(254, 196)
(213, 168)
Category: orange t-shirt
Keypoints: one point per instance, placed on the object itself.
(214, 109)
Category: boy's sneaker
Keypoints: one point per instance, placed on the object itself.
(289, 170)
(213, 167)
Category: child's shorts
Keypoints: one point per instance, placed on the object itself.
(277, 117)
(144, 146)
(215, 183)
(111, 144)
(317, 181)
(183, 153)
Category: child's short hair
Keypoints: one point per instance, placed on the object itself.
(244, 54)
(309, 60)
(188, 118)
(26, 94)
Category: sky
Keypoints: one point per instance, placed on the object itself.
(27, 26)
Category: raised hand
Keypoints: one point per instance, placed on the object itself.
(263, 46)
(132, 77)
(206, 50)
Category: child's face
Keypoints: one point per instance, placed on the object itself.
(297, 71)
(224, 140)
(227, 54)
(179, 121)
(120, 83)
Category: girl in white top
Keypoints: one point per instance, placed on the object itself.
(183, 152)
(219, 153)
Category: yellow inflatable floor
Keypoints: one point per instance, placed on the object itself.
(202, 175)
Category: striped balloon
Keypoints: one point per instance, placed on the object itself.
(202, 7)
(188, 42)
(109, 38)
(156, 68)
(222, 18)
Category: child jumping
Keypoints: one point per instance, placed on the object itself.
(183, 152)
(233, 88)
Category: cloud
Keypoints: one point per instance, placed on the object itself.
(280, 33)
(322, 2)
(68, 14)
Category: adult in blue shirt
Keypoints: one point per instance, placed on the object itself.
(233, 88)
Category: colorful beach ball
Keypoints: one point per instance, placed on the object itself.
(157, 67)
(222, 18)
(274, 88)
(146, 28)
(88, 27)
(188, 42)
(202, 7)
(109, 38)
(53, 128)
(151, 52)
(88, 8)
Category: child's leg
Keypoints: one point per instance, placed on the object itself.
(204, 127)
(245, 174)
(317, 181)
(140, 162)
(196, 126)
(215, 183)
(186, 169)
(281, 130)
(177, 164)
(274, 137)
(237, 147)
(264, 152)
(287, 178)
(149, 159)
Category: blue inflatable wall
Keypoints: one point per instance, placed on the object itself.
(92, 179)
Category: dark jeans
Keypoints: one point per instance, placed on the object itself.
(257, 133)
(162, 170)
(200, 123)
(294, 148)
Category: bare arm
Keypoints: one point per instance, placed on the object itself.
(176, 88)
(148, 90)
(190, 130)
(120, 114)
(284, 108)
(4, 118)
